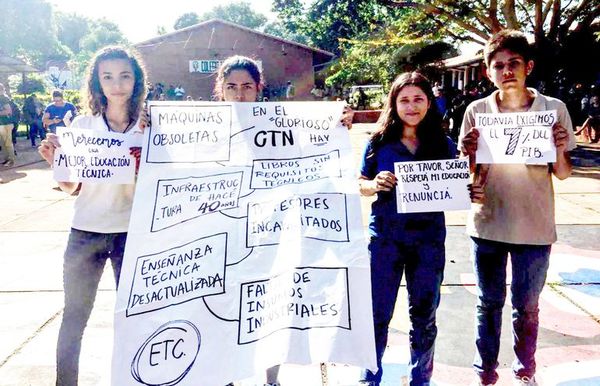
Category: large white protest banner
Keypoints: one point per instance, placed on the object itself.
(516, 137)
(98, 156)
(245, 248)
(432, 186)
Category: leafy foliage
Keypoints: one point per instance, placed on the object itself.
(376, 39)
(553, 23)
(33, 32)
(373, 42)
(102, 33)
(239, 13)
(277, 28)
(186, 20)
(71, 28)
(27, 31)
(35, 83)
(326, 22)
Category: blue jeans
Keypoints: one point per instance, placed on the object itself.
(529, 268)
(84, 262)
(423, 263)
(36, 128)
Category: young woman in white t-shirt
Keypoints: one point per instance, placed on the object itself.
(115, 97)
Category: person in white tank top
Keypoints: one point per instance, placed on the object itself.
(115, 96)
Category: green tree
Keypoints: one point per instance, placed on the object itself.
(560, 28)
(379, 61)
(71, 28)
(277, 28)
(102, 33)
(466, 20)
(372, 43)
(239, 13)
(34, 83)
(290, 19)
(186, 20)
(27, 31)
(327, 22)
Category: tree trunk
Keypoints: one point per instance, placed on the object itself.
(510, 14)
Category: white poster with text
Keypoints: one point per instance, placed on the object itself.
(521, 138)
(432, 186)
(96, 156)
(245, 236)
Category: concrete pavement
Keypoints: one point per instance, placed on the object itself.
(34, 225)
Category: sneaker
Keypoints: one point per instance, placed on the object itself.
(9, 163)
(273, 384)
(525, 381)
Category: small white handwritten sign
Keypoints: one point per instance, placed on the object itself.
(432, 186)
(516, 138)
(93, 156)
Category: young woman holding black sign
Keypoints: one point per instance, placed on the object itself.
(410, 129)
(115, 93)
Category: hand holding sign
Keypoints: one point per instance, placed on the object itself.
(476, 192)
(48, 146)
(561, 137)
(384, 181)
(469, 142)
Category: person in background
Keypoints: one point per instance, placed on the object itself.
(6, 127)
(32, 114)
(170, 94)
(58, 113)
(290, 91)
(115, 96)
(513, 212)
(409, 129)
(150, 95)
(361, 99)
(15, 119)
(179, 92)
(440, 100)
(317, 92)
(591, 126)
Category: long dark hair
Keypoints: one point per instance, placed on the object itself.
(431, 136)
(96, 100)
(233, 63)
